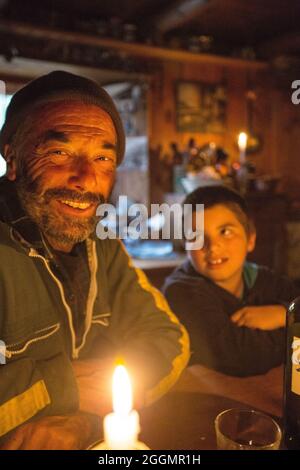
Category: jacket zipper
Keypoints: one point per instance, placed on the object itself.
(9, 353)
(93, 265)
(33, 253)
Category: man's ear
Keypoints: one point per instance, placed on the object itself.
(10, 157)
(251, 241)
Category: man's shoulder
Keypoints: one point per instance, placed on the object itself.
(109, 244)
(12, 254)
(5, 234)
(112, 250)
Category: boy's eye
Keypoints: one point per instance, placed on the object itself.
(226, 231)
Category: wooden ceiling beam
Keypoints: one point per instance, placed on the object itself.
(142, 51)
(21, 70)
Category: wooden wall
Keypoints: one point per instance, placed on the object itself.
(276, 119)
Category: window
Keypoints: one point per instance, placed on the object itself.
(132, 174)
(4, 100)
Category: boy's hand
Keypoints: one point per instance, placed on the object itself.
(265, 317)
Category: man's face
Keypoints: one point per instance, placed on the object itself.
(65, 167)
(226, 245)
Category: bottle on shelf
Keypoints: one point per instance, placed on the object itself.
(178, 168)
(292, 378)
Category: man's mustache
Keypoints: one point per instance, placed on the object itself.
(71, 195)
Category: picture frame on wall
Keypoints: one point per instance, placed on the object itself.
(201, 107)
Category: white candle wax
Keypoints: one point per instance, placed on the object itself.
(242, 143)
(121, 431)
(121, 428)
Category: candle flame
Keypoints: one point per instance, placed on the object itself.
(242, 140)
(122, 392)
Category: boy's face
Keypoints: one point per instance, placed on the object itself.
(226, 245)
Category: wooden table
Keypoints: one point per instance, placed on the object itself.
(184, 418)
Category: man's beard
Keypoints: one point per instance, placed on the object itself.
(60, 227)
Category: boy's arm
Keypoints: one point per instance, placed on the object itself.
(273, 314)
(216, 341)
(263, 317)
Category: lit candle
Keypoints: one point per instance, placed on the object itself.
(242, 143)
(121, 428)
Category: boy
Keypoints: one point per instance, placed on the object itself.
(234, 310)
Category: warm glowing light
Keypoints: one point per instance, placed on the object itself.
(242, 141)
(121, 428)
(122, 393)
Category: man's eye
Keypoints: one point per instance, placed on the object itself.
(109, 161)
(102, 158)
(58, 152)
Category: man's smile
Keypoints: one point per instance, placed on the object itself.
(76, 208)
(77, 205)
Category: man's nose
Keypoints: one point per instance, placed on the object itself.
(83, 177)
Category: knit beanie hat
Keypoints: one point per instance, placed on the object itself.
(57, 86)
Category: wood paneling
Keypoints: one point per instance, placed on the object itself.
(276, 119)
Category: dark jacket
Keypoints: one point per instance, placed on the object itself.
(205, 309)
(125, 316)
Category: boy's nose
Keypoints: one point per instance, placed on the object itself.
(214, 246)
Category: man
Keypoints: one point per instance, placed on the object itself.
(70, 304)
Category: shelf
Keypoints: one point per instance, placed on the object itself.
(131, 49)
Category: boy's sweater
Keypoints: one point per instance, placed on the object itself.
(205, 309)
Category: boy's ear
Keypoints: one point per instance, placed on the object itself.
(251, 241)
(10, 157)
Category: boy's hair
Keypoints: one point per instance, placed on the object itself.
(217, 194)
